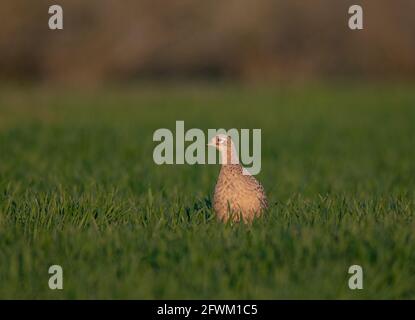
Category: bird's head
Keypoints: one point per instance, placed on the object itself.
(220, 142)
(226, 148)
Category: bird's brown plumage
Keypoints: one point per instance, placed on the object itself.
(237, 195)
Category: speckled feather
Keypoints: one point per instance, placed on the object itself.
(237, 195)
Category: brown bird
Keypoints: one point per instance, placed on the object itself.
(237, 193)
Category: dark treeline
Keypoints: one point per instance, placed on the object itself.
(109, 40)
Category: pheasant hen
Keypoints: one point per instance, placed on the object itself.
(238, 195)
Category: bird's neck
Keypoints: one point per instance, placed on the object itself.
(230, 162)
(230, 156)
(231, 170)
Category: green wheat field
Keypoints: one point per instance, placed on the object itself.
(79, 188)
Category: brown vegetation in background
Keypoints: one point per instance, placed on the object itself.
(109, 40)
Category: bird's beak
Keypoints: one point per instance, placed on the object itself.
(210, 144)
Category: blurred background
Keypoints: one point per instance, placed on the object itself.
(245, 40)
